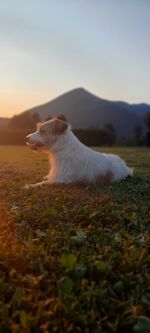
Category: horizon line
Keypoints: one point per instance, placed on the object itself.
(78, 88)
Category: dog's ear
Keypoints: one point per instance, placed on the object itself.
(60, 126)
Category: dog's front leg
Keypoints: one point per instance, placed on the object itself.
(56, 180)
(28, 186)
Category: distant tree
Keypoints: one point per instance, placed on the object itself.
(24, 120)
(93, 137)
(147, 120)
(147, 123)
(138, 135)
(109, 128)
(13, 136)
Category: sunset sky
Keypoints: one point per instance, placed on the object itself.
(51, 46)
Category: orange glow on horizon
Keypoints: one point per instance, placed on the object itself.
(10, 109)
(10, 104)
(7, 110)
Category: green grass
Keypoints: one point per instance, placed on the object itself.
(73, 258)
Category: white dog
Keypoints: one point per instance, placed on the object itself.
(70, 160)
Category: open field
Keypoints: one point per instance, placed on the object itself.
(73, 258)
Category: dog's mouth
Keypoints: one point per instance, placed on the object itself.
(34, 146)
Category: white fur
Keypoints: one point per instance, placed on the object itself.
(71, 161)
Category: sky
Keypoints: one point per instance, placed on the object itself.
(48, 47)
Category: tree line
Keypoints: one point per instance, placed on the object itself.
(21, 125)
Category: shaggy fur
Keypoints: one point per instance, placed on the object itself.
(70, 160)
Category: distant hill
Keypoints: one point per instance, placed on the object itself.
(139, 109)
(85, 110)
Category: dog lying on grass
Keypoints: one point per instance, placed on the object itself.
(70, 160)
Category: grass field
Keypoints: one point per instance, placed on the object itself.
(73, 258)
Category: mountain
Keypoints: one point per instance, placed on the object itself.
(83, 110)
(3, 121)
(139, 109)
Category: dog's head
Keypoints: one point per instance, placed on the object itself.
(47, 134)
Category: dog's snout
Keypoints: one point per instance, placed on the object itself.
(27, 138)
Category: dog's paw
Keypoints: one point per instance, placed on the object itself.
(37, 185)
(27, 186)
(46, 177)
